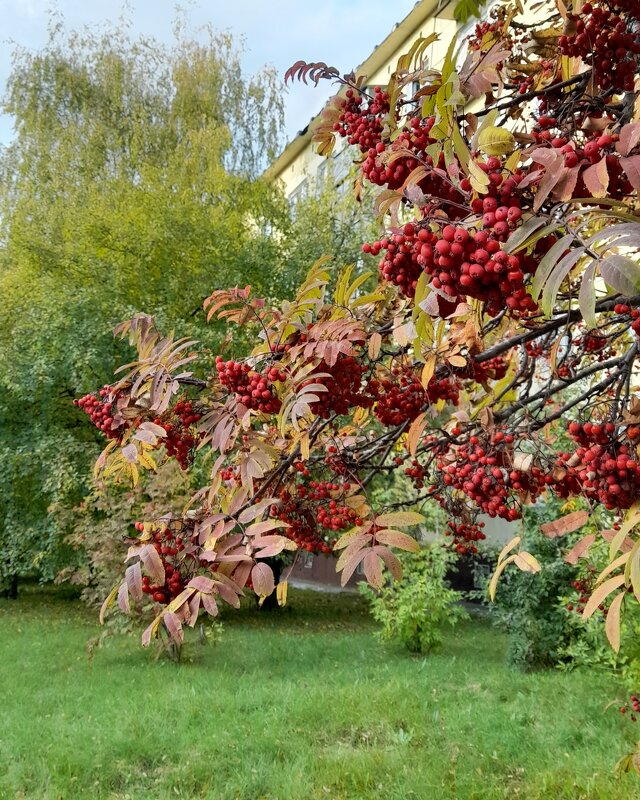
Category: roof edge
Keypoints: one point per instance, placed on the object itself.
(418, 14)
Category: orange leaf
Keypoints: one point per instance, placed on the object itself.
(567, 524)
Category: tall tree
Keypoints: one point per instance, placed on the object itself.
(133, 181)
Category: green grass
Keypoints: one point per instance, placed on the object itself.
(293, 705)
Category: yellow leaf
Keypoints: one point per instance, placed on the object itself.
(281, 593)
(479, 178)
(109, 601)
(428, 370)
(415, 432)
(493, 584)
(600, 594)
(400, 518)
(526, 562)
(612, 625)
(508, 547)
(496, 141)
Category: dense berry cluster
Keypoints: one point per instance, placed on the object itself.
(605, 41)
(409, 151)
(344, 387)
(315, 511)
(465, 535)
(494, 369)
(181, 439)
(101, 410)
(361, 122)
(252, 389)
(170, 547)
(484, 471)
(465, 261)
(401, 397)
(604, 468)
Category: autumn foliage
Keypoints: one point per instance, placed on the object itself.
(504, 320)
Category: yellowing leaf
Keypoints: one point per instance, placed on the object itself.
(398, 539)
(612, 625)
(375, 343)
(600, 594)
(496, 141)
(281, 593)
(428, 370)
(401, 518)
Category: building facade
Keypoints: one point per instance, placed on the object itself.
(299, 165)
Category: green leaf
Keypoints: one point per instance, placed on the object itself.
(622, 274)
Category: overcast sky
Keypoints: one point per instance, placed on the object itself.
(341, 32)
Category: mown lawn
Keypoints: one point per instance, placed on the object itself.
(294, 704)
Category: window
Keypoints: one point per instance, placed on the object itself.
(298, 194)
(308, 560)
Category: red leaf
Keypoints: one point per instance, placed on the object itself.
(580, 549)
(596, 178)
(631, 167)
(262, 579)
(201, 584)
(373, 570)
(567, 524)
(629, 138)
(133, 577)
(153, 563)
(123, 599)
(174, 626)
(209, 605)
(227, 593)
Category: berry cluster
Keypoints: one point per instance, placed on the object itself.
(494, 369)
(361, 122)
(484, 471)
(584, 587)
(184, 410)
(633, 313)
(633, 706)
(413, 143)
(101, 411)
(251, 388)
(168, 546)
(180, 441)
(315, 510)
(465, 261)
(604, 41)
(402, 397)
(465, 535)
(605, 468)
(344, 387)
(416, 472)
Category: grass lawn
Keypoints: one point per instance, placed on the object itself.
(294, 704)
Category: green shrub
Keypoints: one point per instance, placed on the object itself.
(414, 609)
(541, 617)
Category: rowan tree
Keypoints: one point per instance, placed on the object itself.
(505, 316)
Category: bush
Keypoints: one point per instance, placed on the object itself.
(541, 617)
(98, 526)
(414, 610)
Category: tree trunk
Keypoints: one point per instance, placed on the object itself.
(11, 592)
